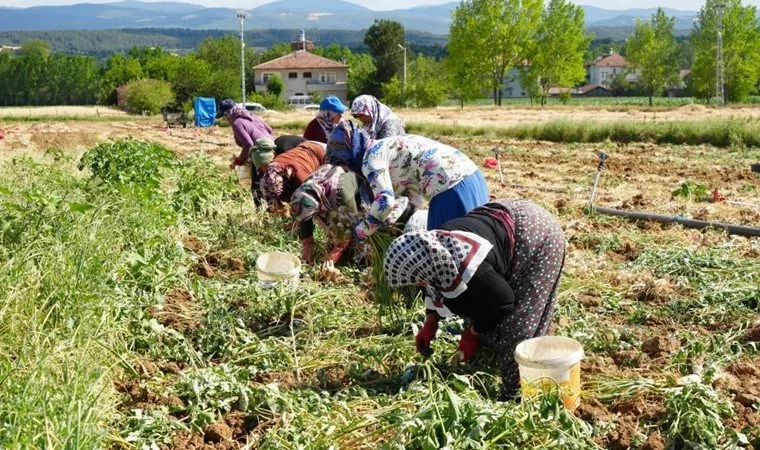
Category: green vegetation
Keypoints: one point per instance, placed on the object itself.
(721, 133)
(652, 50)
(384, 39)
(148, 96)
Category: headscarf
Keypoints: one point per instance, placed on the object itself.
(273, 181)
(325, 119)
(444, 260)
(263, 152)
(237, 112)
(347, 145)
(378, 113)
(313, 196)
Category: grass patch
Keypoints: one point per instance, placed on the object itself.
(726, 133)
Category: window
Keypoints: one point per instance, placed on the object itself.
(307, 74)
(266, 76)
(614, 71)
(327, 77)
(292, 75)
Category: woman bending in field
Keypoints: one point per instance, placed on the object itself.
(287, 171)
(414, 166)
(499, 267)
(378, 120)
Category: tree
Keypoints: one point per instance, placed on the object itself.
(465, 84)
(492, 36)
(148, 96)
(429, 86)
(557, 55)
(119, 71)
(393, 92)
(741, 50)
(224, 84)
(224, 54)
(383, 39)
(190, 78)
(361, 73)
(652, 49)
(35, 47)
(275, 86)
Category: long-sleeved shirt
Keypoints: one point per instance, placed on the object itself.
(314, 132)
(489, 297)
(410, 165)
(247, 130)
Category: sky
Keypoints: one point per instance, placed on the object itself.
(397, 4)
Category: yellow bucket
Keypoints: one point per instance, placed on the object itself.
(550, 361)
(275, 268)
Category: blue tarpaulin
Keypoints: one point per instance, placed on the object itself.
(205, 111)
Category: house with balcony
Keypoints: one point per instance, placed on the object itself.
(305, 73)
(607, 67)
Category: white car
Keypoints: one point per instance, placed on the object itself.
(254, 107)
(312, 107)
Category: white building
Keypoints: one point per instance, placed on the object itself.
(305, 73)
(512, 87)
(605, 68)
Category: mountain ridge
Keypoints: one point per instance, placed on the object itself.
(284, 14)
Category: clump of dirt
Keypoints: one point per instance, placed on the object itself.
(204, 269)
(178, 311)
(141, 397)
(171, 367)
(630, 358)
(753, 333)
(659, 346)
(640, 408)
(217, 432)
(229, 434)
(728, 382)
(592, 410)
(621, 437)
(226, 263)
(655, 441)
(635, 202)
(652, 290)
(629, 251)
(193, 244)
(589, 301)
(284, 379)
(748, 374)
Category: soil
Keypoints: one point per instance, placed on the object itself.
(217, 432)
(660, 346)
(217, 264)
(178, 311)
(621, 437)
(592, 410)
(204, 269)
(655, 441)
(589, 301)
(231, 433)
(139, 397)
(283, 379)
(630, 358)
(753, 333)
(641, 408)
(193, 244)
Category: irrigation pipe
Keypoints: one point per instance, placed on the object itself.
(740, 230)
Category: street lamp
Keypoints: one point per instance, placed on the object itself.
(241, 17)
(404, 49)
(719, 70)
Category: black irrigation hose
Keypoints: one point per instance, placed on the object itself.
(740, 230)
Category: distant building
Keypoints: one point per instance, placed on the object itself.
(592, 90)
(605, 68)
(305, 73)
(512, 87)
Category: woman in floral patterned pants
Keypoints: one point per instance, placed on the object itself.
(498, 267)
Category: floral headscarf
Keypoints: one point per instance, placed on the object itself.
(444, 260)
(347, 145)
(313, 196)
(326, 120)
(378, 113)
(273, 181)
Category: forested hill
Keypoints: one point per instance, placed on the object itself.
(102, 43)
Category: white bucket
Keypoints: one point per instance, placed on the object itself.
(275, 268)
(244, 172)
(548, 362)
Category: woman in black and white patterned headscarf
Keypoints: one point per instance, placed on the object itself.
(498, 267)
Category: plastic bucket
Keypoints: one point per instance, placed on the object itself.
(548, 362)
(278, 268)
(244, 172)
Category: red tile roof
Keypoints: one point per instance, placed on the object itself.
(300, 60)
(613, 60)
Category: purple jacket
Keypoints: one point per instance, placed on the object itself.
(247, 129)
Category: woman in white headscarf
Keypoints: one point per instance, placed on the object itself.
(498, 267)
(378, 120)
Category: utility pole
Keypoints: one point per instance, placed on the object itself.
(404, 85)
(719, 75)
(241, 18)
